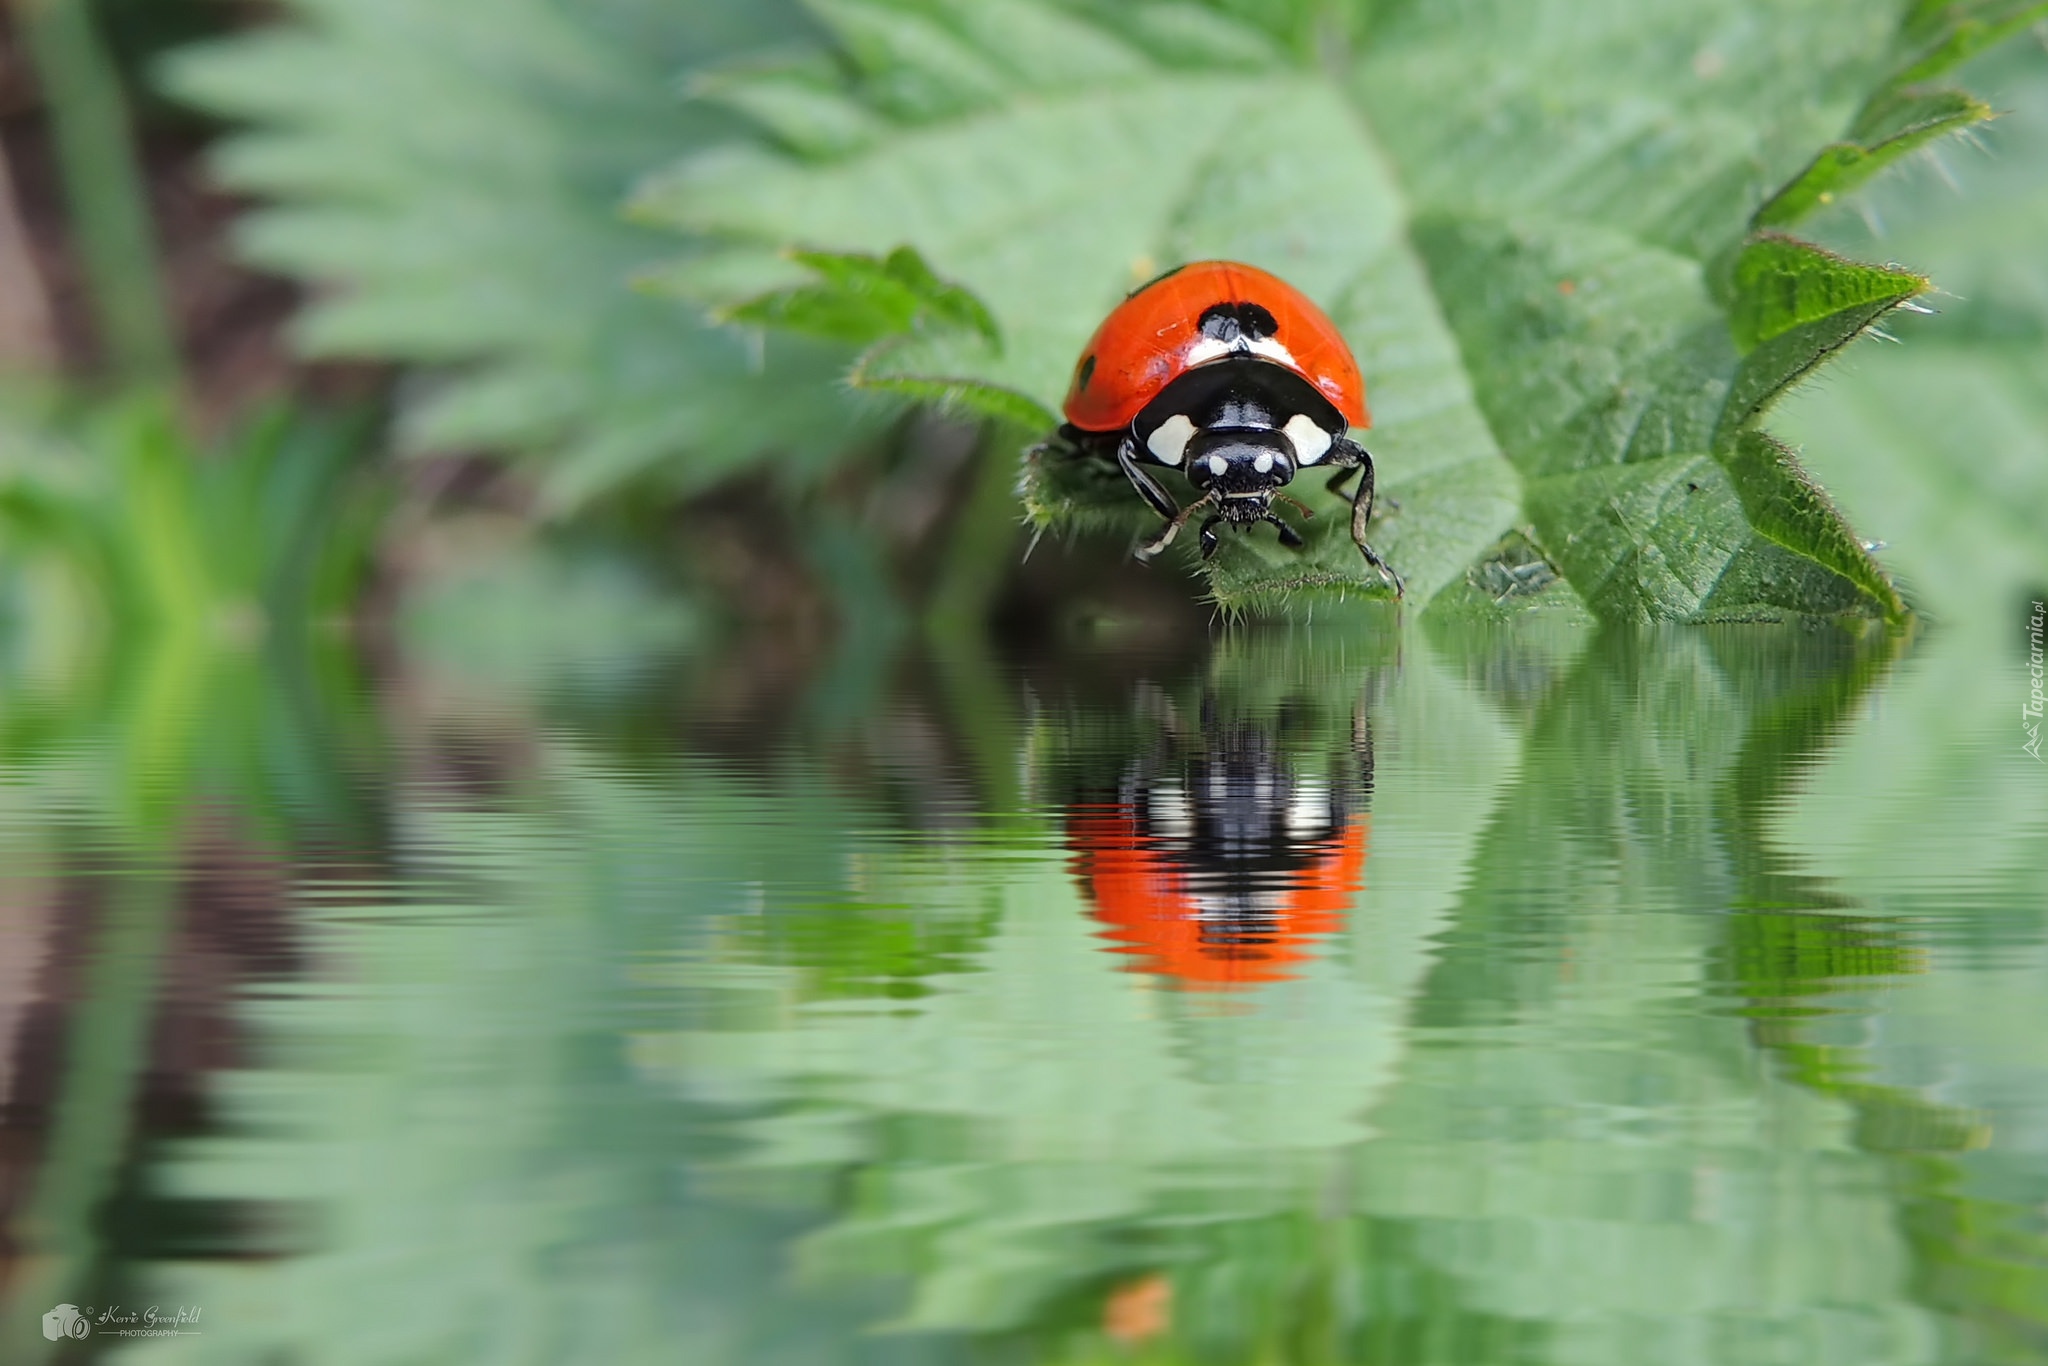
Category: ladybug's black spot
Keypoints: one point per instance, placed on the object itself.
(1085, 373)
(1228, 322)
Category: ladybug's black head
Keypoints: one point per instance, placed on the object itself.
(1242, 467)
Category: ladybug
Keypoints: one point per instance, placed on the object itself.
(1211, 920)
(1233, 377)
(1218, 859)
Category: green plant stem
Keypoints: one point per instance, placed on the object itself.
(26, 342)
(956, 618)
(96, 158)
(984, 539)
(88, 1136)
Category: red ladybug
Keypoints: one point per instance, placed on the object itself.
(1213, 921)
(1219, 856)
(1233, 377)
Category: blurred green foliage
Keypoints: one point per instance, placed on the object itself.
(178, 650)
(277, 525)
(448, 174)
(200, 599)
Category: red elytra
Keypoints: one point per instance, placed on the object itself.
(1151, 339)
(1146, 898)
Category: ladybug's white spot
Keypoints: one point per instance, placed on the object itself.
(1311, 443)
(1308, 809)
(1217, 464)
(1214, 348)
(1169, 441)
(1170, 814)
(1270, 349)
(1264, 463)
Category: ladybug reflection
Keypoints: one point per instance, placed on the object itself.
(1222, 867)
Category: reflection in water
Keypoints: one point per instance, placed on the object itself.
(572, 1041)
(1221, 859)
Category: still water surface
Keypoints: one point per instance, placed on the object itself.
(1407, 998)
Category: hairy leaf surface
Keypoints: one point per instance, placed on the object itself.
(1939, 446)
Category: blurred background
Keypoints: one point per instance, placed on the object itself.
(541, 827)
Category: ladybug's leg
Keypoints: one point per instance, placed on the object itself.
(1350, 452)
(1148, 488)
(1346, 469)
(1209, 534)
(1289, 537)
(1337, 481)
(1165, 538)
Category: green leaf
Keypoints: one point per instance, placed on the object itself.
(464, 217)
(1627, 405)
(1900, 117)
(1890, 128)
(1937, 446)
(1950, 32)
(1783, 285)
(860, 298)
(1534, 244)
(799, 102)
